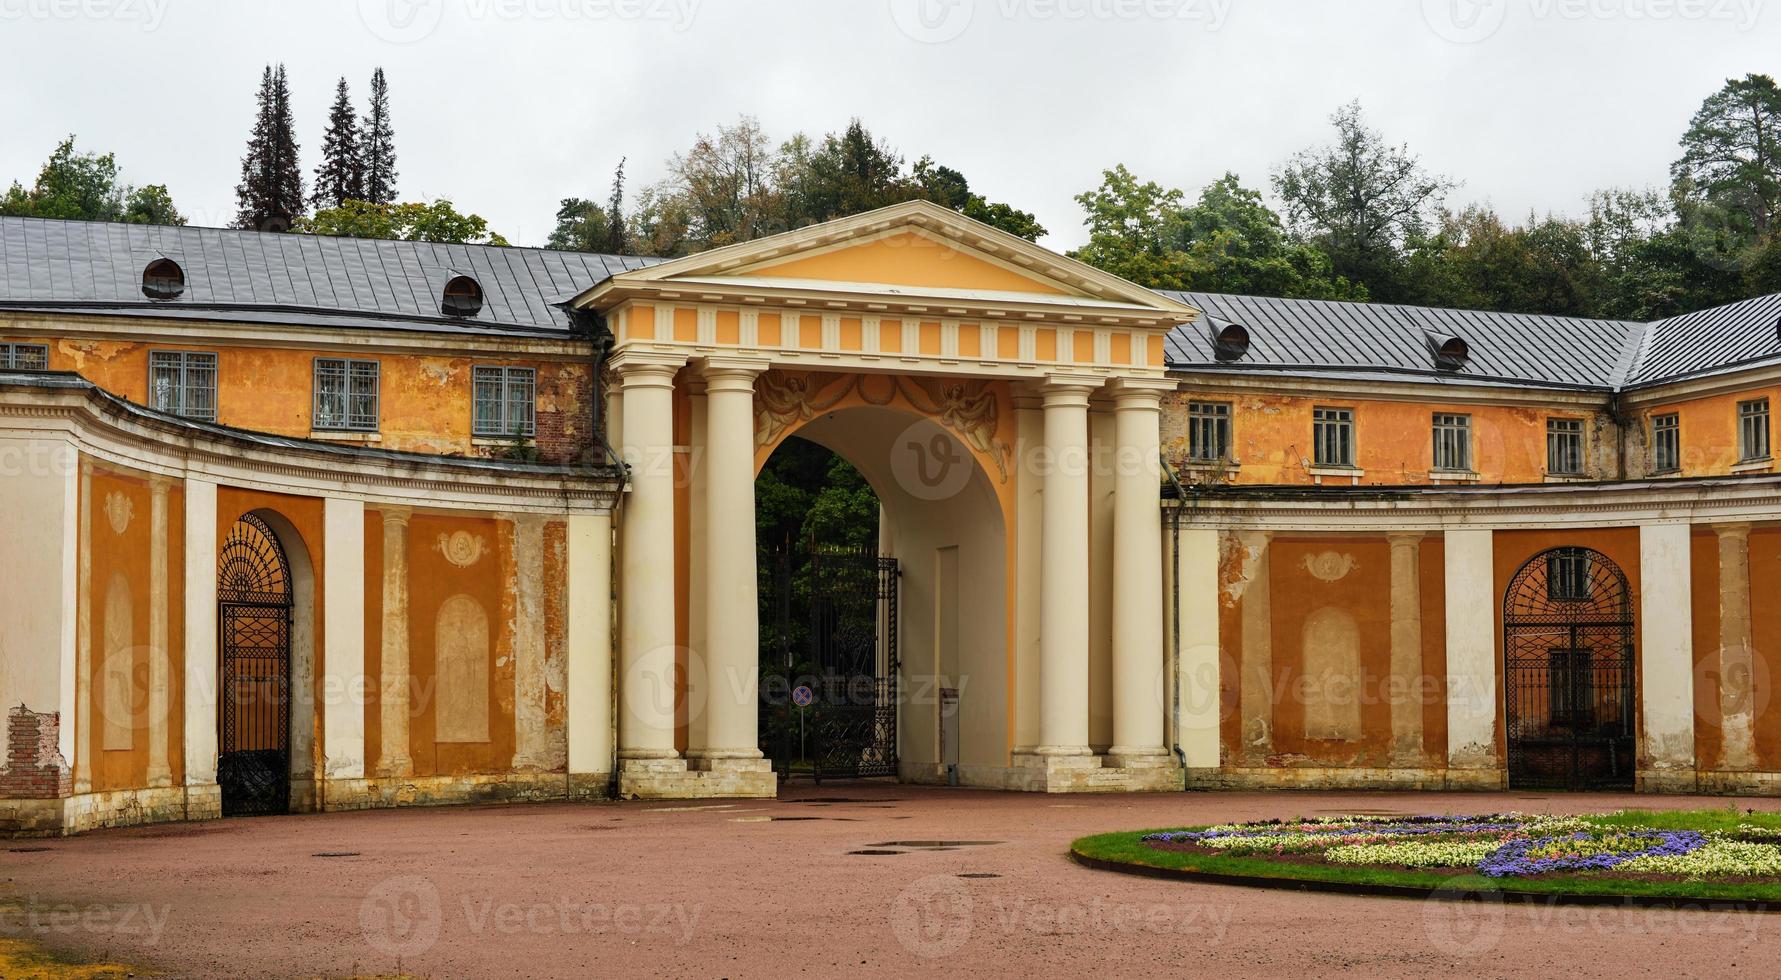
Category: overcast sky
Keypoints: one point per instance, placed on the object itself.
(505, 106)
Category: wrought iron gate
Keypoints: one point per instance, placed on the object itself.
(833, 622)
(1568, 673)
(254, 634)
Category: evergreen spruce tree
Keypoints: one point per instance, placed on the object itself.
(270, 195)
(341, 176)
(377, 146)
(618, 241)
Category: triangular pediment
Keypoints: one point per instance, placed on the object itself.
(916, 249)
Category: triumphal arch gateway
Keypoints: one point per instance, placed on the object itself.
(297, 523)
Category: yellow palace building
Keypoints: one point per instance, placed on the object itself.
(296, 523)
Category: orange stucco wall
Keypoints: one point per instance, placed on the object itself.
(1708, 430)
(1394, 444)
(124, 556)
(425, 402)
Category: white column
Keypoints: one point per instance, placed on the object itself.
(160, 772)
(530, 746)
(200, 634)
(589, 707)
(1197, 672)
(1406, 687)
(343, 639)
(393, 755)
(646, 579)
(82, 717)
(698, 476)
(1137, 588)
(1666, 658)
(1063, 573)
(1736, 658)
(40, 527)
(1029, 425)
(732, 605)
(1471, 656)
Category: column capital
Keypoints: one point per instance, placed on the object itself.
(1735, 530)
(395, 515)
(158, 485)
(732, 373)
(1140, 390)
(1068, 390)
(1405, 539)
(647, 369)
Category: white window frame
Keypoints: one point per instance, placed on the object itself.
(1332, 438)
(1208, 420)
(1563, 459)
(10, 356)
(1753, 430)
(189, 369)
(1666, 440)
(1452, 442)
(508, 383)
(359, 411)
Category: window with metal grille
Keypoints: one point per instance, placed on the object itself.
(1332, 436)
(1208, 432)
(345, 395)
(1567, 575)
(1453, 442)
(506, 402)
(1564, 446)
(1666, 443)
(24, 357)
(1570, 688)
(183, 383)
(1753, 430)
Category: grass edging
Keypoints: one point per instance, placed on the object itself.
(1099, 853)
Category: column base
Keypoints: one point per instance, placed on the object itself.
(674, 779)
(1667, 781)
(1041, 772)
(1123, 757)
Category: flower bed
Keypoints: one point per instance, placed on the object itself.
(1700, 854)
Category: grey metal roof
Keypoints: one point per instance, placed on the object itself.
(86, 265)
(1725, 337)
(1379, 339)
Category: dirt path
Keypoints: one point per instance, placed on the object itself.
(771, 889)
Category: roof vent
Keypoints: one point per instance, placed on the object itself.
(163, 279)
(463, 297)
(1451, 353)
(1230, 341)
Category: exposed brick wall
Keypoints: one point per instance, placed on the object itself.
(35, 769)
(566, 419)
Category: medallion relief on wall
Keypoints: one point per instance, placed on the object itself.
(784, 400)
(1329, 566)
(118, 511)
(462, 548)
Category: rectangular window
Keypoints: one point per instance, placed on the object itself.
(345, 395)
(1453, 442)
(24, 357)
(1208, 432)
(1753, 430)
(1567, 576)
(1332, 436)
(183, 383)
(506, 402)
(1666, 443)
(1564, 447)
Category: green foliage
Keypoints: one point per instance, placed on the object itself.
(1228, 241)
(377, 145)
(437, 221)
(270, 195)
(341, 176)
(1731, 156)
(1361, 199)
(86, 187)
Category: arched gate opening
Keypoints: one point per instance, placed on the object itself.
(1568, 673)
(254, 603)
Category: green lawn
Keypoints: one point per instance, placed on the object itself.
(1128, 848)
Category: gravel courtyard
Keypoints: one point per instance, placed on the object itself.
(857, 879)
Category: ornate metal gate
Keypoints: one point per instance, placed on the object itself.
(853, 637)
(1568, 673)
(254, 627)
